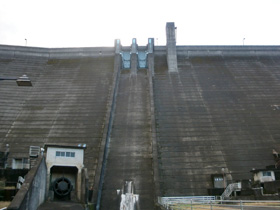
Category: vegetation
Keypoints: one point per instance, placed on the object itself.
(4, 204)
(221, 207)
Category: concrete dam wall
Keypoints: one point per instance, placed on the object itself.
(67, 104)
(166, 131)
(216, 113)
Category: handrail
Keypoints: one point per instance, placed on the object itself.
(185, 199)
(230, 188)
(225, 204)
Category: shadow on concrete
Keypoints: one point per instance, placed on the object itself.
(61, 205)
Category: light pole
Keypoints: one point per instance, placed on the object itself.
(21, 81)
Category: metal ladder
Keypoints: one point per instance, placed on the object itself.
(230, 188)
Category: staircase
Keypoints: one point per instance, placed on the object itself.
(231, 188)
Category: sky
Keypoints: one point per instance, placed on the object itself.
(93, 23)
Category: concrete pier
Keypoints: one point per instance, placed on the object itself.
(171, 48)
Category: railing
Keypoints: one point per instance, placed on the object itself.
(166, 201)
(222, 205)
(230, 188)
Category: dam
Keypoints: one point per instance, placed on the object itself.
(168, 119)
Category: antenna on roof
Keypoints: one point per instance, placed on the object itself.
(25, 42)
(243, 41)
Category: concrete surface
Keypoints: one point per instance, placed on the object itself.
(54, 53)
(220, 110)
(130, 151)
(33, 191)
(216, 112)
(171, 51)
(51, 205)
(67, 104)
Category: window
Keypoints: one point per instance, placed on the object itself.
(25, 160)
(64, 154)
(266, 173)
(20, 163)
(218, 179)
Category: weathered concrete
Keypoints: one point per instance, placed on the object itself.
(171, 47)
(153, 127)
(118, 46)
(150, 46)
(103, 153)
(134, 62)
(130, 151)
(59, 205)
(220, 110)
(67, 104)
(33, 191)
(85, 187)
(217, 112)
(134, 46)
(9, 51)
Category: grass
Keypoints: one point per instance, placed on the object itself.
(197, 207)
(216, 207)
(4, 204)
(263, 204)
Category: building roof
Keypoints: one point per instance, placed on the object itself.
(80, 146)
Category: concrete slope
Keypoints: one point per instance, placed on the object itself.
(130, 150)
(66, 105)
(216, 112)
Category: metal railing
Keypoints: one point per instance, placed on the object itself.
(194, 204)
(231, 188)
(166, 201)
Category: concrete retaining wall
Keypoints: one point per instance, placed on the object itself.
(33, 190)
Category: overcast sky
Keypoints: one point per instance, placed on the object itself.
(90, 23)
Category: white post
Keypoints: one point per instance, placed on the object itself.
(241, 205)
